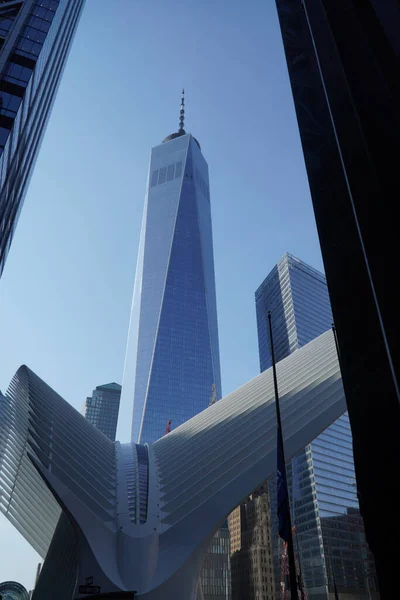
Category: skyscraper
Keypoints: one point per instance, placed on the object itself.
(343, 62)
(172, 368)
(172, 358)
(35, 38)
(323, 491)
(101, 409)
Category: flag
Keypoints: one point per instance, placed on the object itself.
(283, 496)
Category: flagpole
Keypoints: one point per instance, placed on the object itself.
(282, 477)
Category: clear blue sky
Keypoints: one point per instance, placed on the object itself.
(66, 291)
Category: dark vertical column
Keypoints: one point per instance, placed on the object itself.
(59, 572)
(345, 83)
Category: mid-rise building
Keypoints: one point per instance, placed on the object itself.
(172, 368)
(102, 408)
(35, 38)
(323, 492)
(252, 570)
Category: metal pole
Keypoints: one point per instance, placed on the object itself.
(292, 563)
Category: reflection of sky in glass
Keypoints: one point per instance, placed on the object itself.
(173, 339)
(323, 494)
(33, 65)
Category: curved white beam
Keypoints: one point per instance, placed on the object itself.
(142, 516)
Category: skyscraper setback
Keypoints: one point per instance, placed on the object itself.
(35, 38)
(323, 492)
(172, 368)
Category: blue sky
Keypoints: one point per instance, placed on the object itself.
(66, 291)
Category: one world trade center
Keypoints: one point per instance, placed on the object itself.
(172, 364)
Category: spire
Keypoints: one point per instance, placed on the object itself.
(182, 114)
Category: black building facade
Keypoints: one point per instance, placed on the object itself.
(343, 60)
(35, 38)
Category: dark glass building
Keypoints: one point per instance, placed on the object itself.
(323, 492)
(35, 38)
(343, 62)
(172, 368)
(102, 408)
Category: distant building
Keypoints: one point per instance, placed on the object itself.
(215, 578)
(323, 492)
(35, 39)
(252, 570)
(102, 408)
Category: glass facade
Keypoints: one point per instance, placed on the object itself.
(102, 408)
(172, 357)
(323, 493)
(35, 38)
(215, 577)
(172, 368)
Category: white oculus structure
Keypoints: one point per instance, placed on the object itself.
(128, 517)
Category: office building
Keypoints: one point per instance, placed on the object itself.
(323, 492)
(172, 359)
(102, 408)
(343, 61)
(172, 369)
(35, 38)
(252, 569)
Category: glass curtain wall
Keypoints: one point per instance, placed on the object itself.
(325, 510)
(35, 38)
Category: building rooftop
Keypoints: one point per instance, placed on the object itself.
(110, 386)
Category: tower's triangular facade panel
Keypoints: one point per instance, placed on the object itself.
(181, 375)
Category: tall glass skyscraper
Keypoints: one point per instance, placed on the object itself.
(172, 359)
(35, 38)
(323, 491)
(172, 368)
(101, 409)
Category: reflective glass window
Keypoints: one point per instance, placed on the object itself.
(178, 169)
(170, 172)
(154, 178)
(162, 175)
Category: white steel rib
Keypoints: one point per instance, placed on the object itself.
(142, 516)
